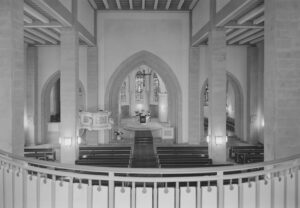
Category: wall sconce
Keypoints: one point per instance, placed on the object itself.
(207, 138)
(67, 141)
(221, 140)
(79, 140)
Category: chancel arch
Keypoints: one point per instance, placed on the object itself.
(50, 108)
(234, 108)
(145, 58)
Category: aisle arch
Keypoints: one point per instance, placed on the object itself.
(164, 71)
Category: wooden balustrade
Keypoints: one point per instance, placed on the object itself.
(26, 182)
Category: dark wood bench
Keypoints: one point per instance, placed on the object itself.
(104, 148)
(40, 153)
(233, 149)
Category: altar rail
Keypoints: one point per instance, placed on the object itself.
(31, 183)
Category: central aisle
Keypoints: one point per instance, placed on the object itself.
(143, 155)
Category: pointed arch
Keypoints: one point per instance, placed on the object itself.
(164, 71)
(239, 105)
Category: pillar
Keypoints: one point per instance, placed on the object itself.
(12, 77)
(217, 94)
(69, 92)
(194, 97)
(282, 78)
(92, 89)
(31, 111)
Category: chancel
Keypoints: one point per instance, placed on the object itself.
(149, 103)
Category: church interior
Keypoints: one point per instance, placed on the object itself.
(150, 103)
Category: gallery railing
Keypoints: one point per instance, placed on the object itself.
(32, 183)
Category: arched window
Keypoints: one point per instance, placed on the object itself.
(156, 88)
(123, 92)
(206, 95)
(139, 86)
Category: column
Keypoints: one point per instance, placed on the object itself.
(282, 78)
(194, 97)
(69, 92)
(12, 77)
(92, 89)
(31, 110)
(217, 94)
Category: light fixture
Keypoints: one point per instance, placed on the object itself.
(66, 141)
(207, 139)
(221, 140)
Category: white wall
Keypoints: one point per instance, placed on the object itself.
(48, 64)
(122, 34)
(86, 15)
(236, 65)
(67, 4)
(200, 15)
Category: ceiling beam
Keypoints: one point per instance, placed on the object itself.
(180, 4)
(50, 33)
(257, 35)
(105, 4)
(85, 35)
(32, 37)
(52, 24)
(29, 41)
(118, 4)
(259, 20)
(192, 5)
(93, 4)
(130, 4)
(257, 40)
(251, 14)
(27, 19)
(228, 30)
(243, 36)
(235, 33)
(56, 29)
(35, 13)
(56, 10)
(168, 4)
(41, 35)
(143, 4)
(231, 10)
(201, 35)
(247, 25)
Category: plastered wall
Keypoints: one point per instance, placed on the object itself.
(122, 34)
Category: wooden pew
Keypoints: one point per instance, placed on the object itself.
(40, 153)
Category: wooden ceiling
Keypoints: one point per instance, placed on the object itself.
(148, 5)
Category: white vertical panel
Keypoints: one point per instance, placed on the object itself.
(231, 196)
(209, 198)
(291, 191)
(249, 195)
(79, 195)
(8, 193)
(278, 192)
(166, 199)
(143, 198)
(188, 197)
(31, 191)
(1, 186)
(18, 189)
(264, 200)
(61, 194)
(100, 197)
(45, 200)
(122, 198)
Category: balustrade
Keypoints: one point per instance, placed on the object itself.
(30, 183)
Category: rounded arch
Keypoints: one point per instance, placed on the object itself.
(164, 71)
(239, 105)
(45, 103)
